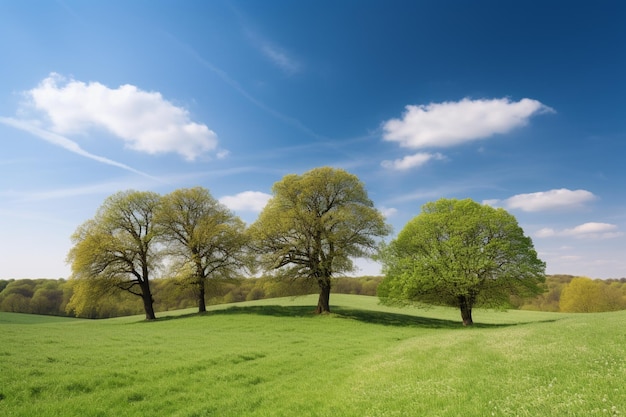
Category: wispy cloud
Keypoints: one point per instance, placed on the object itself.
(412, 161)
(591, 230)
(145, 121)
(557, 199)
(102, 188)
(453, 123)
(67, 144)
(253, 201)
(279, 57)
(223, 75)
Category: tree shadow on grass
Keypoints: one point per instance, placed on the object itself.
(366, 316)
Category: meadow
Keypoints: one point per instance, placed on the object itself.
(274, 357)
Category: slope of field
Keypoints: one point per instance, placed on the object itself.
(275, 358)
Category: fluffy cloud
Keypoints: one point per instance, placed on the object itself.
(453, 123)
(549, 200)
(144, 120)
(591, 230)
(246, 201)
(411, 161)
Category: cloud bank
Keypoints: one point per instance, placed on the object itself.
(454, 123)
(145, 121)
(253, 201)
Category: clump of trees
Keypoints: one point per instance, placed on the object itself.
(584, 295)
(37, 296)
(311, 228)
(186, 248)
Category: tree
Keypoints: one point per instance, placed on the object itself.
(203, 236)
(463, 254)
(584, 295)
(116, 250)
(314, 224)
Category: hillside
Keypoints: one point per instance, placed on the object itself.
(275, 358)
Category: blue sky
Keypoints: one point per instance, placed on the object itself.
(515, 104)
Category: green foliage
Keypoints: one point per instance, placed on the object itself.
(275, 358)
(4, 283)
(460, 253)
(584, 295)
(204, 239)
(39, 296)
(169, 294)
(115, 249)
(314, 225)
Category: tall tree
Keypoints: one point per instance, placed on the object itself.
(463, 254)
(116, 249)
(203, 236)
(314, 225)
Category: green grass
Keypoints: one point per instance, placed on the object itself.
(276, 358)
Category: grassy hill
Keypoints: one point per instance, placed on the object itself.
(275, 358)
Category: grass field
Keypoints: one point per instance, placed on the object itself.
(275, 358)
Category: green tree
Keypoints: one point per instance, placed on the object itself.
(203, 236)
(48, 298)
(584, 295)
(17, 295)
(115, 250)
(314, 224)
(463, 254)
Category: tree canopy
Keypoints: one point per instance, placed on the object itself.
(314, 225)
(202, 236)
(116, 249)
(584, 295)
(463, 254)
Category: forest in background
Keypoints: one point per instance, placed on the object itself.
(565, 293)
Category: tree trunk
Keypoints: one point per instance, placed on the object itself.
(465, 305)
(201, 294)
(146, 294)
(323, 303)
(148, 305)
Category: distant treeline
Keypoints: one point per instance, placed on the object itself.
(50, 297)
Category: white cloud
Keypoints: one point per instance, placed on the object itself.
(453, 123)
(144, 120)
(246, 201)
(412, 161)
(550, 200)
(545, 232)
(388, 211)
(591, 230)
(492, 202)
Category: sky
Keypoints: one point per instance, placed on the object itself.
(516, 104)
